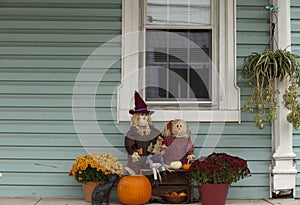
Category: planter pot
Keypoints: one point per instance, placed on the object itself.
(213, 194)
(88, 188)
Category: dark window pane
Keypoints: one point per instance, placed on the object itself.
(198, 84)
(178, 65)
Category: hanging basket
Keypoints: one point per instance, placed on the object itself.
(213, 194)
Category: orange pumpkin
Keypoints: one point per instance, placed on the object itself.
(133, 190)
(186, 166)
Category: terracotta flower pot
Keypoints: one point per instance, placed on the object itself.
(88, 188)
(213, 194)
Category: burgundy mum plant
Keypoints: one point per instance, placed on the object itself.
(218, 168)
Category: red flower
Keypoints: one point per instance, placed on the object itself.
(218, 168)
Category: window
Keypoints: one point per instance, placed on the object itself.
(175, 56)
(178, 59)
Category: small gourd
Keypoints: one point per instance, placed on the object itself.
(186, 166)
(176, 165)
(134, 189)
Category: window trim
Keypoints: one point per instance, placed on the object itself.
(228, 109)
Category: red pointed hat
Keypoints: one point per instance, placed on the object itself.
(140, 105)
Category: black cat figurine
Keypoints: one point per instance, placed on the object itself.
(101, 192)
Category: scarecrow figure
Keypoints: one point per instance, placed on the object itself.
(140, 136)
(178, 139)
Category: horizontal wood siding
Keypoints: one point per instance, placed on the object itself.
(295, 21)
(252, 36)
(43, 45)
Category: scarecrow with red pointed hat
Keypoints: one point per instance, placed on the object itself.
(140, 135)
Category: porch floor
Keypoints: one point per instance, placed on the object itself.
(72, 201)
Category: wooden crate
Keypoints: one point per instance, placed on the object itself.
(175, 181)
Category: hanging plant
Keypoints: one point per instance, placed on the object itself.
(262, 71)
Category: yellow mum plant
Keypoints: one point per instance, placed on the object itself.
(95, 167)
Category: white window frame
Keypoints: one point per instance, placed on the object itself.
(228, 105)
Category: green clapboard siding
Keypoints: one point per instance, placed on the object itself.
(295, 21)
(252, 36)
(43, 47)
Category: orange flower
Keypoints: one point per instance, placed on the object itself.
(88, 166)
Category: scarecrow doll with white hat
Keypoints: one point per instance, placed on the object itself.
(140, 135)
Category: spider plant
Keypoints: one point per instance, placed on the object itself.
(262, 71)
